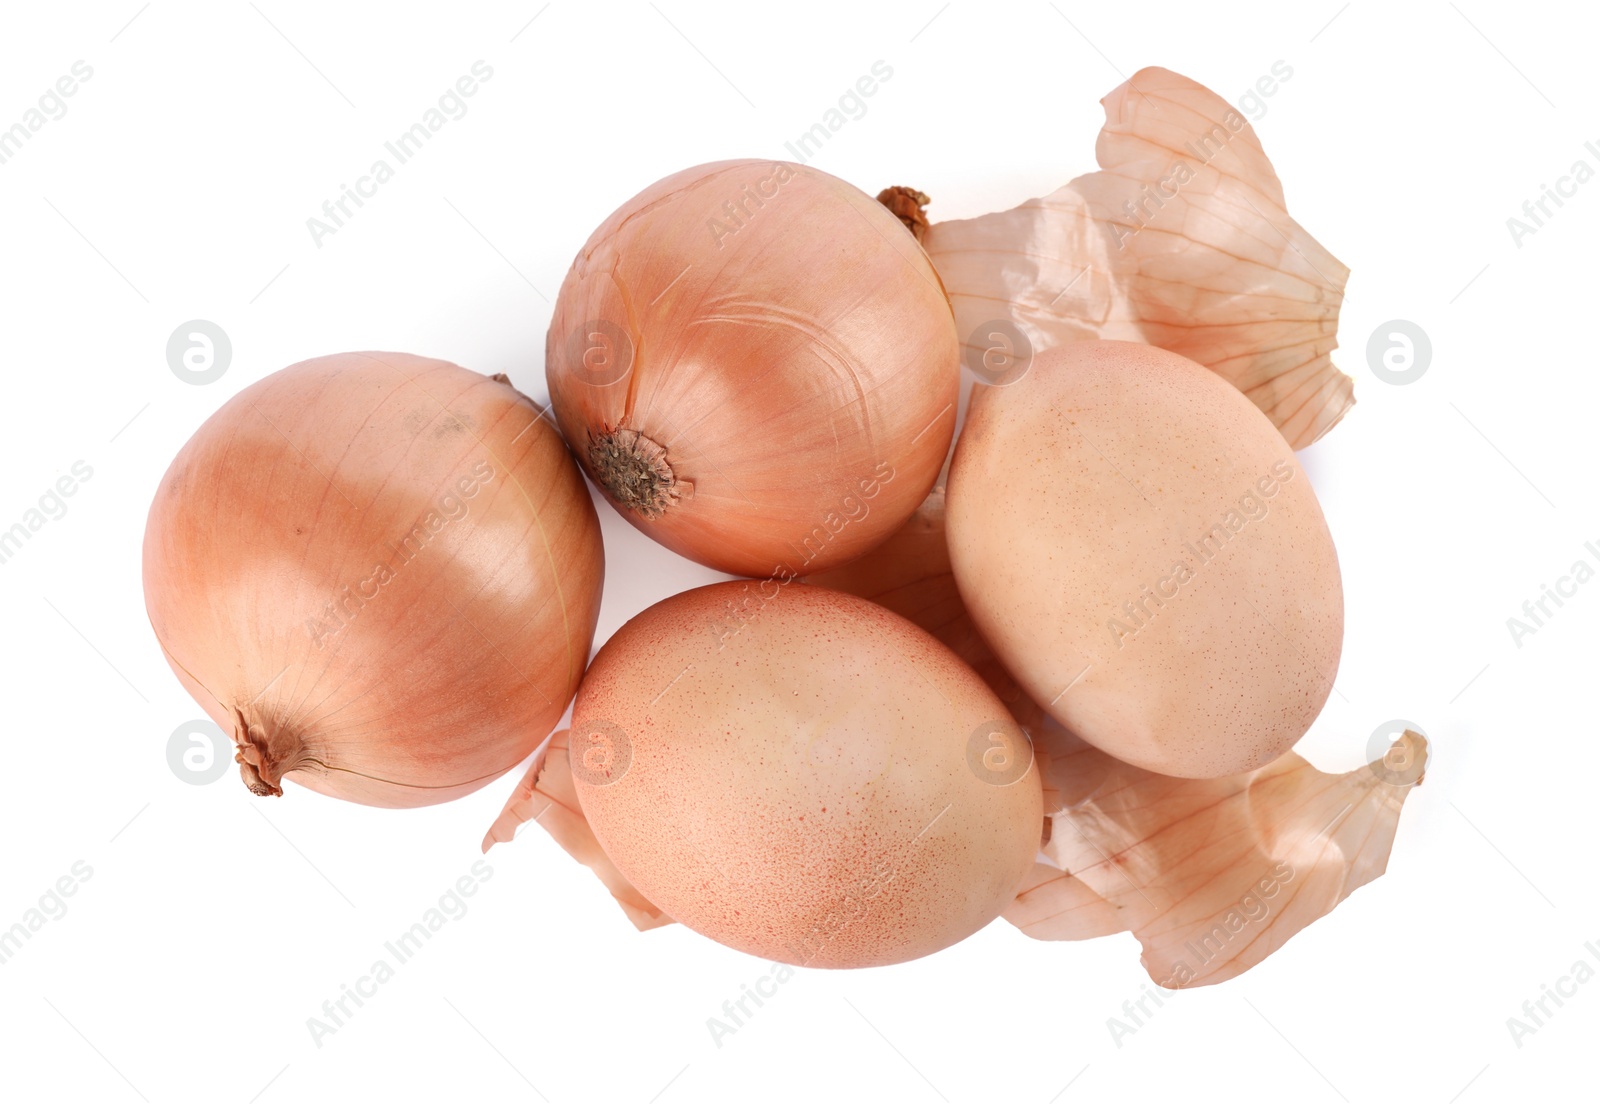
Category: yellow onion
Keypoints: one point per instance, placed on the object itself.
(758, 365)
(380, 573)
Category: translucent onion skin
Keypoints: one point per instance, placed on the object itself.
(759, 366)
(379, 573)
(1181, 239)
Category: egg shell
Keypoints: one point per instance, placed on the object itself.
(804, 775)
(1142, 549)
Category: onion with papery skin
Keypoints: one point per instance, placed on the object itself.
(803, 775)
(758, 365)
(380, 573)
(1173, 595)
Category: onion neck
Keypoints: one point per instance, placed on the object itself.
(906, 204)
(635, 472)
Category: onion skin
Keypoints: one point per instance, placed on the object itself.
(792, 365)
(788, 773)
(1196, 254)
(1074, 495)
(546, 795)
(380, 573)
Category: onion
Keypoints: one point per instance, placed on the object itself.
(380, 572)
(803, 775)
(1174, 597)
(758, 365)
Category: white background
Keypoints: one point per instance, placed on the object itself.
(178, 185)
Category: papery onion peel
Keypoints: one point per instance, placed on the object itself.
(1182, 240)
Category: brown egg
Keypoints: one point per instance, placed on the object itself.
(804, 775)
(1137, 542)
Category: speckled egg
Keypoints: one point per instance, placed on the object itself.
(1140, 546)
(804, 775)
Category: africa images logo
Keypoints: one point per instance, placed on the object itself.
(1251, 507)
